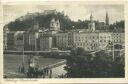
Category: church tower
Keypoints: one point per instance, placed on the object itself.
(91, 25)
(55, 25)
(107, 19)
(91, 18)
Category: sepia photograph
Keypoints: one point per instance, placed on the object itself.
(64, 41)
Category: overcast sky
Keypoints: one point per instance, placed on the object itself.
(75, 11)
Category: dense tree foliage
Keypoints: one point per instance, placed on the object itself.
(81, 64)
(117, 26)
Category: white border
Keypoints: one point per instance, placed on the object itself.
(71, 80)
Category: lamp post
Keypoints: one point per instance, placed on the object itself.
(113, 53)
(23, 50)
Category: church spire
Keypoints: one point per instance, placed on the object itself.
(91, 18)
(107, 19)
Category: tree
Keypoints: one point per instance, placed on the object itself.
(81, 64)
(78, 63)
(117, 26)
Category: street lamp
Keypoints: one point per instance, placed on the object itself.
(23, 51)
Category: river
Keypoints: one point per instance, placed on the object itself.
(12, 62)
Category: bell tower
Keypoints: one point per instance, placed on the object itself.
(91, 25)
(55, 25)
(107, 19)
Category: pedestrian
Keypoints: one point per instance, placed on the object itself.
(47, 71)
(50, 73)
(22, 68)
(19, 69)
(43, 73)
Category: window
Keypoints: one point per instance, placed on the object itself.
(52, 23)
(57, 24)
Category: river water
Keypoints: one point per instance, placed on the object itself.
(12, 62)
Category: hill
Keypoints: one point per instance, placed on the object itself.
(24, 23)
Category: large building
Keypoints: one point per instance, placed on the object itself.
(48, 39)
(49, 12)
(89, 41)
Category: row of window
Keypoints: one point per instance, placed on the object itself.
(65, 36)
(89, 48)
(87, 41)
(86, 44)
(105, 37)
(117, 40)
(104, 41)
(94, 37)
(88, 37)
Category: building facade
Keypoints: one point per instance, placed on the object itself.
(105, 38)
(118, 38)
(61, 40)
(5, 32)
(19, 40)
(46, 42)
(89, 41)
(11, 40)
(86, 40)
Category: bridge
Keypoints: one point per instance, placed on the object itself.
(54, 65)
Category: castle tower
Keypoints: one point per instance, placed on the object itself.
(107, 19)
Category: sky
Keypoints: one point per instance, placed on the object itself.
(74, 11)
